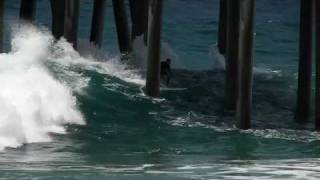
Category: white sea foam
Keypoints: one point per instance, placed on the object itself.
(36, 101)
(64, 54)
(33, 103)
(255, 169)
(140, 54)
(285, 134)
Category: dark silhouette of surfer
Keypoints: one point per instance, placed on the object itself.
(166, 70)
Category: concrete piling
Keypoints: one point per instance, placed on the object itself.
(97, 25)
(58, 17)
(154, 47)
(222, 32)
(246, 39)
(139, 18)
(28, 10)
(121, 20)
(305, 61)
(317, 89)
(232, 49)
(71, 21)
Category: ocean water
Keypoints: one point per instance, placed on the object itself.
(80, 115)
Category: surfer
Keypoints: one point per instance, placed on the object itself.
(166, 70)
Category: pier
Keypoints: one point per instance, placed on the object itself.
(236, 42)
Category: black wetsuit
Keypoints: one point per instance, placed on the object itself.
(166, 70)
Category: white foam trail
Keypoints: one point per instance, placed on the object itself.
(285, 134)
(33, 103)
(192, 119)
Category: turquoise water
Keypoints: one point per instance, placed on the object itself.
(185, 135)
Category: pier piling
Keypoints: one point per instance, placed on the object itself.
(97, 25)
(28, 10)
(139, 18)
(121, 20)
(231, 77)
(246, 39)
(71, 21)
(222, 33)
(317, 94)
(154, 47)
(2, 9)
(305, 61)
(58, 15)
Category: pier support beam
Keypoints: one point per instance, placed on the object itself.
(139, 18)
(71, 21)
(231, 77)
(246, 39)
(121, 20)
(28, 10)
(305, 61)
(97, 25)
(58, 15)
(2, 8)
(154, 48)
(317, 96)
(222, 33)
